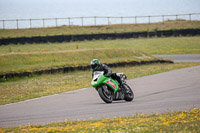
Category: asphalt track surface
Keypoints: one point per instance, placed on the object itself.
(182, 57)
(175, 90)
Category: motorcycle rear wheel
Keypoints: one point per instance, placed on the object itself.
(105, 94)
(130, 95)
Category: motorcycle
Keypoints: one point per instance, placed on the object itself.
(109, 89)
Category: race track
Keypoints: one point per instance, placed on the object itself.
(182, 57)
(175, 90)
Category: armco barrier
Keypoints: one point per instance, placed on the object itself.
(68, 38)
(74, 68)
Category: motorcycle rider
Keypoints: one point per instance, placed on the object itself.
(96, 66)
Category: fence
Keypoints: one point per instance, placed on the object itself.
(92, 21)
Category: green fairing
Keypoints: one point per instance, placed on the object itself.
(105, 80)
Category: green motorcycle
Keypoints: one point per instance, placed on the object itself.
(109, 89)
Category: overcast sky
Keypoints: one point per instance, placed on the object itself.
(12, 9)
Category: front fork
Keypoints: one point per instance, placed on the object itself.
(106, 90)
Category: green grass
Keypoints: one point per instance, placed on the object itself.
(29, 57)
(33, 61)
(170, 45)
(182, 122)
(19, 89)
(69, 30)
(40, 56)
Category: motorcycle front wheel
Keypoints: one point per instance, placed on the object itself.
(105, 94)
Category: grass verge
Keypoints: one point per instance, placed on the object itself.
(33, 61)
(185, 121)
(119, 28)
(19, 89)
(169, 45)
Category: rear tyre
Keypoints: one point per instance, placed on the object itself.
(105, 94)
(129, 95)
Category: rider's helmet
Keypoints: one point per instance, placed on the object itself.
(94, 64)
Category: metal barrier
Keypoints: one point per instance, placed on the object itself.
(92, 21)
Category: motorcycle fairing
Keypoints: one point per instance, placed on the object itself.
(99, 78)
(112, 84)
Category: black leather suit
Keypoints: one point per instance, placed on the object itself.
(107, 72)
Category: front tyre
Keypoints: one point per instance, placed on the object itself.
(129, 95)
(105, 94)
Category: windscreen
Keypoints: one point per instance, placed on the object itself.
(97, 72)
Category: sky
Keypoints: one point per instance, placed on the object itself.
(15, 9)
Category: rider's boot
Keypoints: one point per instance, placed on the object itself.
(121, 85)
